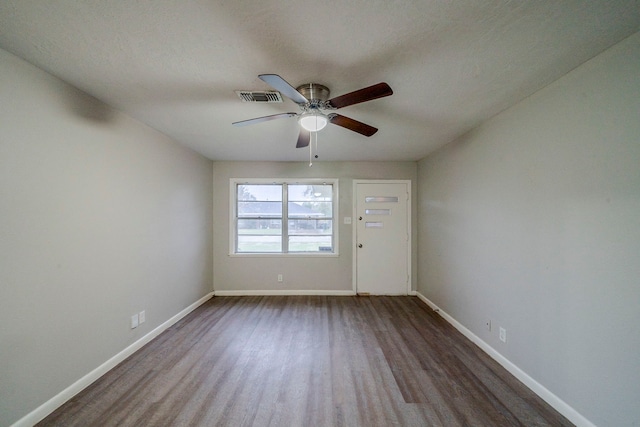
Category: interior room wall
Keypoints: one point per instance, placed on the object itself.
(102, 217)
(306, 273)
(532, 221)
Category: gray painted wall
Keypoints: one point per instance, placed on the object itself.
(533, 221)
(102, 217)
(530, 221)
(306, 273)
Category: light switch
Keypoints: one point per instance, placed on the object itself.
(347, 220)
(134, 321)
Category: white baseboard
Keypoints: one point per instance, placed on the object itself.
(282, 292)
(546, 395)
(58, 400)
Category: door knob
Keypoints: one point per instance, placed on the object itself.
(360, 245)
(360, 218)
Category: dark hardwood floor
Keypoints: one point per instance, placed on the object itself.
(308, 361)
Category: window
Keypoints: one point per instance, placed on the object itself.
(294, 217)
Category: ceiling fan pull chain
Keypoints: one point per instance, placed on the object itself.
(316, 141)
(310, 155)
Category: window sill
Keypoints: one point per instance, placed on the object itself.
(287, 255)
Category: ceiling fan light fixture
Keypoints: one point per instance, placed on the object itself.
(313, 121)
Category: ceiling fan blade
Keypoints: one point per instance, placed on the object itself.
(353, 125)
(281, 85)
(303, 138)
(367, 94)
(263, 119)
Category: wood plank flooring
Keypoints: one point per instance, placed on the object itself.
(308, 361)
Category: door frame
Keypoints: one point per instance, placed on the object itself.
(354, 236)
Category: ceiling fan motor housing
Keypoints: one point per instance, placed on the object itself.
(314, 92)
(313, 119)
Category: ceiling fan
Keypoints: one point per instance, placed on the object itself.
(312, 100)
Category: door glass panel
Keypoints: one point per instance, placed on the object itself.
(381, 199)
(377, 211)
(373, 224)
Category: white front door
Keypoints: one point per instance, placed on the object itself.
(382, 238)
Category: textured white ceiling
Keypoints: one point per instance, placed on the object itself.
(175, 64)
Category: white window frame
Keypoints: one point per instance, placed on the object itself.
(233, 182)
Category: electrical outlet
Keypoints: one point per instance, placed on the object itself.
(142, 317)
(488, 325)
(279, 277)
(503, 334)
(134, 321)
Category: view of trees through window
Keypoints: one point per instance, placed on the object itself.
(284, 218)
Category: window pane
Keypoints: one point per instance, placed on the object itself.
(259, 200)
(310, 227)
(260, 209)
(260, 226)
(260, 192)
(252, 243)
(310, 193)
(310, 244)
(310, 209)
